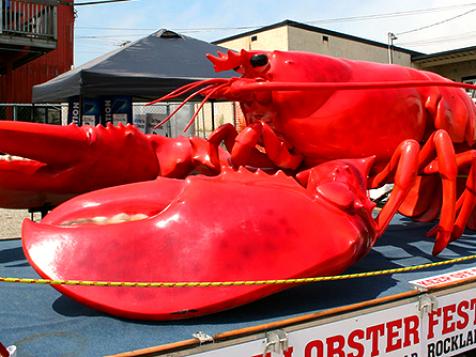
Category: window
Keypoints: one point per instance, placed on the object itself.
(254, 38)
(325, 39)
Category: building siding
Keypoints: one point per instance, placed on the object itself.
(16, 86)
(295, 38)
(454, 71)
(268, 40)
(311, 41)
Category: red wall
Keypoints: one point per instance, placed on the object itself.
(16, 85)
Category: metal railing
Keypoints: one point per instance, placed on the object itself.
(37, 113)
(144, 117)
(471, 92)
(30, 18)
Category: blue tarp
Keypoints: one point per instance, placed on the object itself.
(42, 322)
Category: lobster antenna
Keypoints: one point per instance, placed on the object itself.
(288, 86)
(203, 103)
(187, 88)
(181, 106)
(174, 93)
(185, 101)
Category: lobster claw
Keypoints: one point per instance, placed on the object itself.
(199, 229)
(47, 164)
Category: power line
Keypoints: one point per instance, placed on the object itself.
(437, 23)
(177, 29)
(331, 20)
(393, 14)
(118, 35)
(99, 2)
(114, 28)
(461, 36)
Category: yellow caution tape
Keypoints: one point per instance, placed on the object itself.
(204, 284)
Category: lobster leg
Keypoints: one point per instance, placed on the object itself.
(467, 201)
(423, 203)
(403, 166)
(440, 143)
(408, 162)
(226, 133)
(278, 150)
(436, 156)
(243, 146)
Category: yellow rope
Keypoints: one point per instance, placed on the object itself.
(194, 284)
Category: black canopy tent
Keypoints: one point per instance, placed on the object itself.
(145, 69)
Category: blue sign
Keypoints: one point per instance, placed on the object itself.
(91, 111)
(74, 110)
(117, 109)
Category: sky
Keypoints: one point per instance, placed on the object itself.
(426, 25)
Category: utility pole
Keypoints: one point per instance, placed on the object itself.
(391, 38)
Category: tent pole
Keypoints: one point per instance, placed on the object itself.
(203, 124)
(213, 114)
(168, 132)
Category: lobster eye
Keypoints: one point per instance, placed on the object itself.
(259, 60)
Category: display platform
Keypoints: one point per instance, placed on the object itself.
(42, 322)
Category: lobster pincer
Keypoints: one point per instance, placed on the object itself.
(45, 164)
(236, 226)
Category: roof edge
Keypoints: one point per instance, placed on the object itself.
(442, 53)
(315, 29)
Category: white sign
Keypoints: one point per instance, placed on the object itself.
(89, 120)
(119, 118)
(139, 122)
(452, 277)
(447, 330)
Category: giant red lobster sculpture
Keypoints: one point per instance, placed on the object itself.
(307, 116)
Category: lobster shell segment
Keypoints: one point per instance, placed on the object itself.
(232, 227)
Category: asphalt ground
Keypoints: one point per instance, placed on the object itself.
(10, 222)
